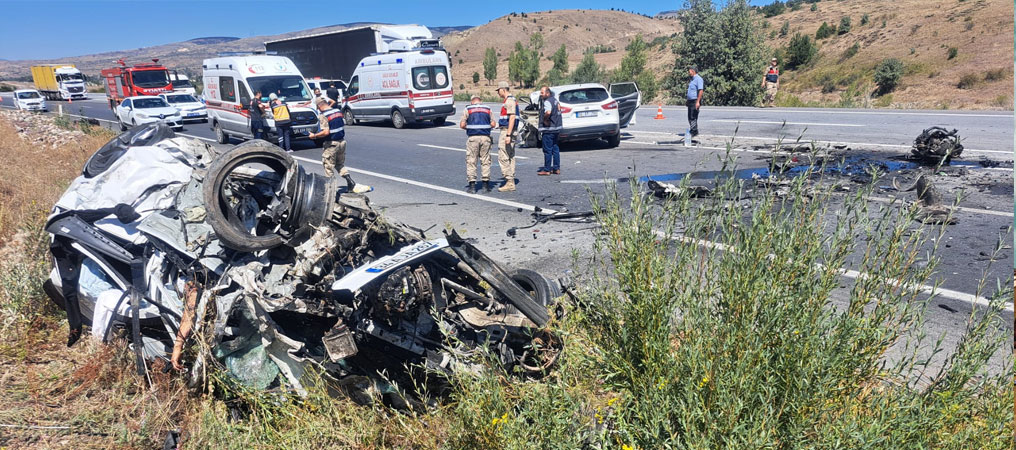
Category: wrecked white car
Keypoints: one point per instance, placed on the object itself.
(167, 242)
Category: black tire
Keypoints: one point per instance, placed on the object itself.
(220, 134)
(347, 117)
(613, 141)
(539, 287)
(122, 126)
(398, 120)
(255, 151)
(439, 121)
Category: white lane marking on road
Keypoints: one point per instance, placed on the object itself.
(462, 150)
(805, 141)
(773, 122)
(850, 273)
(990, 212)
(641, 142)
(769, 112)
(439, 188)
(196, 137)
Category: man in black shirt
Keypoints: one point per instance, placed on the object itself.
(256, 110)
(332, 93)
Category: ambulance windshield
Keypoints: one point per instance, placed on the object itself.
(289, 88)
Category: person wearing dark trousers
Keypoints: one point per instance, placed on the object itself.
(550, 129)
(283, 125)
(256, 111)
(695, 88)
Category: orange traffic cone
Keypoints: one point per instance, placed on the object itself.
(659, 113)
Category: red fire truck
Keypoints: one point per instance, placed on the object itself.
(141, 79)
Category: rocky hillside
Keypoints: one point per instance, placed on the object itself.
(918, 32)
(578, 30)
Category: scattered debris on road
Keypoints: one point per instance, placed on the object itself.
(169, 243)
(936, 145)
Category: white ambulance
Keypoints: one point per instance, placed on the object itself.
(231, 81)
(404, 87)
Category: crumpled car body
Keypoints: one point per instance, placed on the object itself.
(164, 239)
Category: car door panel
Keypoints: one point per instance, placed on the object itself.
(628, 98)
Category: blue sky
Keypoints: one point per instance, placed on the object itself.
(43, 29)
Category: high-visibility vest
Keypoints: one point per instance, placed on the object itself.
(477, 120)
(336, 132)
(502, 121)
(280, 113)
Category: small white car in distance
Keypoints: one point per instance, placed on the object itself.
(147, 109)
(191, 109)
(29, 100)
(591, 111)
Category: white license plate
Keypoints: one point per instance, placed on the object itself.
(426, 111)
(585, 114)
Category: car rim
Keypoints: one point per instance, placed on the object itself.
(397, 119)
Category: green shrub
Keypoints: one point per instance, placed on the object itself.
(844, 27)
(785, 28)
(952, 52)
(888, 74)
(814, 7)
(1002, 101)
(851, 51)
(864, 19)
(773, 9)
(6, 88)
(800, 51)
(969, 81)
(476, 77)
(825, 30)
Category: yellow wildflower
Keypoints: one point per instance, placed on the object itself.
(627, 447)
(612, 401)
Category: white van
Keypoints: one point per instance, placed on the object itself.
(230, 82)
(403, 87)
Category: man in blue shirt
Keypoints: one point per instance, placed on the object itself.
(695, 88)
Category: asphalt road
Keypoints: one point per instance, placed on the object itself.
(419, 178)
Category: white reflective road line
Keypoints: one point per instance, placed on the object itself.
(769, 112)
(850, 273)
(484, 198)
(768, 122)
(464, 150)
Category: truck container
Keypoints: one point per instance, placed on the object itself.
(334, 55)
(122, 81)
(59, 81)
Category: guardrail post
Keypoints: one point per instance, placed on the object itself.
(60, 109)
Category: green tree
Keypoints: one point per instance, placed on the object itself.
(476, 77)
(490, 64)
(844, 27)
(785, 29)
(727, 46)
(800, 51)
(888, 74)
(634, 62)
(517, 62)
(560, 59)
(588, 70)
(536, 41)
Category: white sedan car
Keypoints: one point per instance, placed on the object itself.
(191, 109)
(29, 100)
(590, 110)
(147, 109)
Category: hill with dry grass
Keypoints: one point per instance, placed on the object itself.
(920, 33)
(578, 30)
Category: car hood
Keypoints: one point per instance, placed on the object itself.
(189, 106)
(157, 111)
